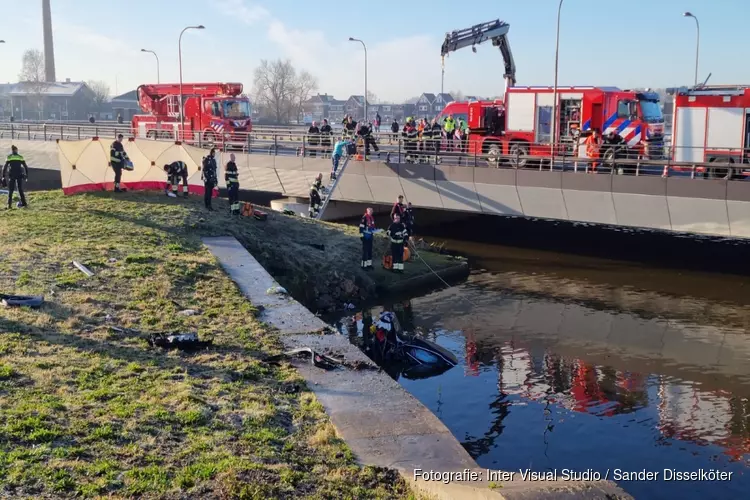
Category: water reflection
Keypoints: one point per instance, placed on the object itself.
(570, 377)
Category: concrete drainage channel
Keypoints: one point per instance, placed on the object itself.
(382, 423)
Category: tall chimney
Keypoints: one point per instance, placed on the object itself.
(49, 51)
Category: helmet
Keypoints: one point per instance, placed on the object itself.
(166, 167)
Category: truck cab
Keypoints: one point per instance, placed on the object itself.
(229, 115)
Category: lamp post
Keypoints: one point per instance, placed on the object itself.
(554, 90)
(158, 79)
(364, 47)
(697, 43)
(179, 56)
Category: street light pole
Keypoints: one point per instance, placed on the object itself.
(179, 56)
(554, 90)
(158, 79)
(697, 43)
(364, 47)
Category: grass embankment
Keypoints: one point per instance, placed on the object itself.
(87, 408)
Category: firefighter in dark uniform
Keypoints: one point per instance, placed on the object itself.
(365, 131)
(177, 173)
(232, 176)
(17, 171)
(315, 199)
(410, 135)
(366, 230)
(407, 218)
(398, 208)
(209, 177)
(396, 232)
(118, 159)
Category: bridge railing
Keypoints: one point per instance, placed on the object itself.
(615, 160)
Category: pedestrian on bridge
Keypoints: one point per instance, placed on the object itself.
(366, 230)
(18, 172)
(326, 132)
(313, 139)
(395, 127)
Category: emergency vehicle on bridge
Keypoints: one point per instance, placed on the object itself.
(213, 112)
(712, 125)
(520, 128)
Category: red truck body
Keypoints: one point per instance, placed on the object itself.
(213, 112)
(712, 125)
(523, 125)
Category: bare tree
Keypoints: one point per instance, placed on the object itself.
(100, 91)
(457, 95)
(305, 85)
(32, 78)
(279, 91)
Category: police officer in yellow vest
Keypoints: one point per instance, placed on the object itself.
(17, 170)
(449, 126)
(232, 176)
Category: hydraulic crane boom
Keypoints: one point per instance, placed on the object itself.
(497, 31)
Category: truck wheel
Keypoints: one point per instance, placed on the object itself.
(210, 139)
(721, 171)
(151, 134)
(519, 155)
(494, 155)
(166, 135)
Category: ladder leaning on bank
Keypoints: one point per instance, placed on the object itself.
(326, 197)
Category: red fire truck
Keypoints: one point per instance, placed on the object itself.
(712, 125)
(521, 129)
(213, 112)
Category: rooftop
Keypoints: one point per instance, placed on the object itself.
(57, 89)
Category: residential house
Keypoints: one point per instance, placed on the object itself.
(398, 111)
(317, 107)
(424, 105)
(355, 107)
(336, 111)
(440, 102)
(50, 101)
(6, 106)
(125, 105)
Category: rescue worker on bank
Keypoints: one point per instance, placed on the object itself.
(232, 178)
(407, 218)
(118, 159)
(398, 208)
(17, 171)
(209, 177)
(315, 199)
(366, 230)
(592, 148)
(176, 171)
(396, 232)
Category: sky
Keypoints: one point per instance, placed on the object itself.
(648, 45)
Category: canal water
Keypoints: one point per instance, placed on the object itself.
(581, 363)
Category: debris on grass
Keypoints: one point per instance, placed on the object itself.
(85, 270)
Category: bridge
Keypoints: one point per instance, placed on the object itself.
(714, 207)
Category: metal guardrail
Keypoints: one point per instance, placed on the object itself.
(393, 148)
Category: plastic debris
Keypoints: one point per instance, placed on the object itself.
(182, 341)
(34, 301)
(188, 312)
(85, 270)
(277, 290)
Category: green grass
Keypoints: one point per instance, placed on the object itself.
(88, 409)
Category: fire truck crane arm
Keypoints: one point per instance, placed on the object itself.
(496, 31)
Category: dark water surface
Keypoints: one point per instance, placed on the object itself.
(582, 363)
